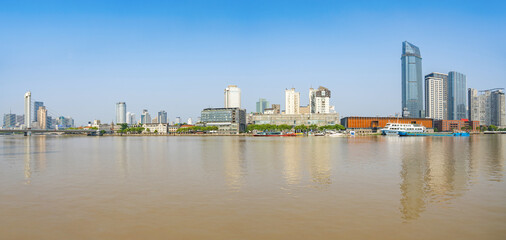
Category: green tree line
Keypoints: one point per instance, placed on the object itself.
(195, 129)
(299, 128)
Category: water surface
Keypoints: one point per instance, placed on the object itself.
(61, 187)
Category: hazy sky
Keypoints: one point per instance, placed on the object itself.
(81, 57)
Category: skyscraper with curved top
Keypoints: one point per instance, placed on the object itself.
(412, 81)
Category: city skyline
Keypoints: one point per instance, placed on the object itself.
(264, 52)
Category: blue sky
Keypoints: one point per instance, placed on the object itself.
(81, 57)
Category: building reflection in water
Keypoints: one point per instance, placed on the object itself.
(40, 154)
(495, 146)
(434, 171)
(320, 167)
(233, 150)
(28, 160)
(291, 159)
(121, 148)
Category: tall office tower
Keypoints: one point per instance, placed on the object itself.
(121, 112)
(36, 106)
(262, 104)
(412, 86)
(457, 98)
(145, 117)
(9, 120)
(50, 122)
(42, 117)
(28, 109)
(434, 96)
(292, 101)
(162, 117)
(190, 121)
(178, 120)
(319, 100)
(232, 97)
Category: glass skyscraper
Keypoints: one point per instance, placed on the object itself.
(262, 104)
(457, 98)
(412, 81)
(120, 112)
(162, 117)
(36, 106)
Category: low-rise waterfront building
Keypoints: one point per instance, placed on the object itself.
(173, 128)
(274, 109)
(376, 123)
(450, 125)
(304, 109)
(297, 119)
(159, 128)
(228, 120)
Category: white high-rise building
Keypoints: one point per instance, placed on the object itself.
(232, 97)
(130, 118)
(190, 121)
(28, 109)
(434, 96)
(292, 101)
(121, 113)
(319, 100)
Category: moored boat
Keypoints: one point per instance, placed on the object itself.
(414, 134)
(395, 128)
(274, 134)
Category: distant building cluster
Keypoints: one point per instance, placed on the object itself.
(36, 116)
(441, 98)
(446, 94)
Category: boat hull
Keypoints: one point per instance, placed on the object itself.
(414, 134)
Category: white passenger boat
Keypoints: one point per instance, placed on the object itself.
(395, 128)
(335, 134)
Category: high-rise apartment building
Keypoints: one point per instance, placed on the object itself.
(319, 100)
(28, 109)
(232, 97)
(292, 101)
(42, 117)
(487, 106)
(434, 96)
(162, 117)
(121, 112)
(444, 78)
(457, 96)
(498, 109)
(145, 117)
(412, 86)
(36, 106)
(262, 104)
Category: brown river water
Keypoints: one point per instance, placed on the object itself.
(67, 187)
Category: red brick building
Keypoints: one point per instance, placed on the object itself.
(450, 125)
